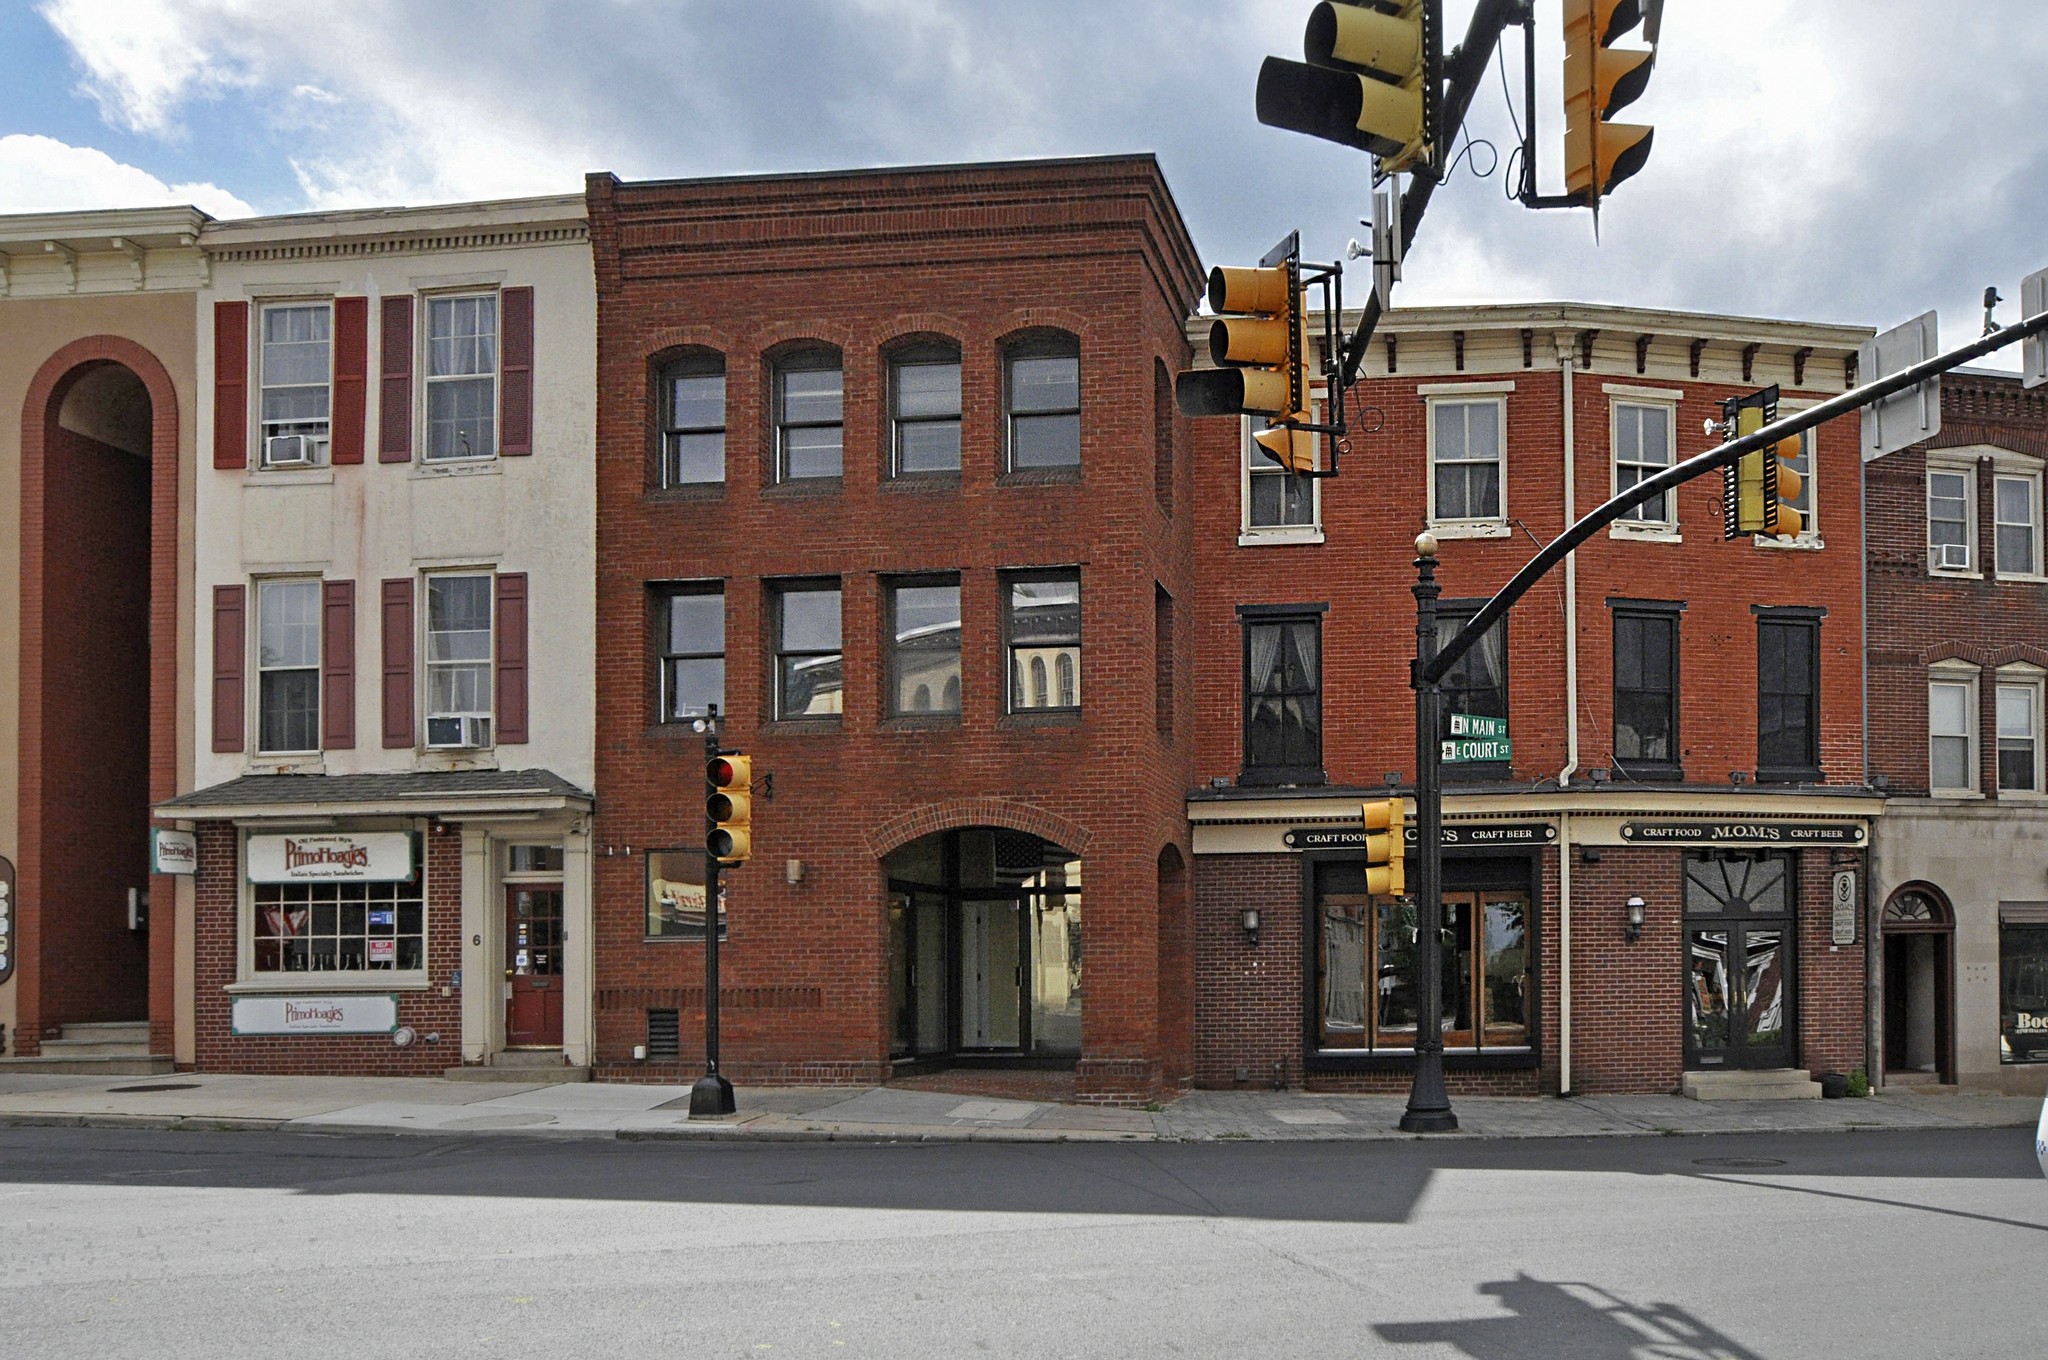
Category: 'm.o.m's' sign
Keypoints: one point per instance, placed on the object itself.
(364, 856)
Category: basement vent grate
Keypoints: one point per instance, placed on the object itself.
(664, 1036)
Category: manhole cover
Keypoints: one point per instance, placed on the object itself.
(1738, 1163)
(158, 1086)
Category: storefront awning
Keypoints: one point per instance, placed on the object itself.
(441, 793)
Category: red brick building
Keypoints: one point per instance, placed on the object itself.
(1958, 662)
(888, 472)
(1684, 712)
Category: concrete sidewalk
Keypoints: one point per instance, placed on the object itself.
(886, 1114)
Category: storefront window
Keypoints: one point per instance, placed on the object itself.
(533, 859)
(1485, 970)
(340, 927)
(2023, 992)
(675, 896)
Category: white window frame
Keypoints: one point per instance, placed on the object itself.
(1967, 471)
(1963, 677)
(429, 713)
(316, 434)
(263, 588)
(2033, 681)
(490, 376)
(248, 981)
(1664, 530)
(1251, 534)
(1436, 395)
(2031, 480)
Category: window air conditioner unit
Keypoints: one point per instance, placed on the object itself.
(293, 450)
(1952, 556)
(460, 732)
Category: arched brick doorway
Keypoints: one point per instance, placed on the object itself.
(1919, 992)
(98, 682)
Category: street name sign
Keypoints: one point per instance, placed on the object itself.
(1479, 748)
(1474, 725)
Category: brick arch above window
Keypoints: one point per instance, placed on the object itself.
(1952, 651)
(955, 813)
(2019, 651)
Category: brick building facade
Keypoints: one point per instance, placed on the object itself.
(1682, 709)
(1958, 661)
(888, 473)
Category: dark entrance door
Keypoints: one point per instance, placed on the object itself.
(1739, 993)
(533, 964)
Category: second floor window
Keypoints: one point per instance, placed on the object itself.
(1042, 622)
(1275, 497)
(1477, 684)
(1283, 696)
(462, 377)
(809, 416)
(459, 657)
(693, 421)
(288, 666)
(808, 670)
(1646, 690)
(692, 653)
(1950, 528)
(924, 647)
(2016, 517)
(1466, 461)
(1952, 735)
(924, 410)
(1642, 449)
(296, 370)
(1788, 699)
(2019, 737)
(1042, 401)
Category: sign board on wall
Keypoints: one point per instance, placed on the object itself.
(7, 918)
(1844, 904)
(361, 856)
(1743, 833)
(173, 852)
(1458, 834)
(375, 1013)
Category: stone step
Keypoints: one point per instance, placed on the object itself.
(111, 1031)
(68, 1047)
(88, 1066)
(528, 1065)
(1782, 1084)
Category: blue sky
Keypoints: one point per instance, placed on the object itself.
(1831, 160)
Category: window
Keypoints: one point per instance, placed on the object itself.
(287, 666)
(1642, 449)
(2016, 520)
(1042, 401)
(1283, 694)
(924, 647)
(924, 410)
(533, 859)
(1476, 684)
(459, 657)
(808, 671)
(675, 896)
(462, 377)
(2022, 983)
(692, 652)
(340, 927)
(1274, 496)
(1951, 531)
(1042, 622)
(296, 372)
(2019, 735)
(1809, 526)
(810, 406)
(1467, 463)
(1365, 967)
(693, 421)
(1646, 690)
(1952, 734)
(1788, 697)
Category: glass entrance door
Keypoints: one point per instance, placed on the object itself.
(533, 966)
(1739, 995)
(918, 994)
(992, 974)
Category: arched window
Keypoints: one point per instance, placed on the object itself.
(692, 396)
(1038, 682)
(810, 405)
(1070, 696)
(921, 702)
(924, 409)
(1042, 402)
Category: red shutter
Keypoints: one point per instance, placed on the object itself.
(394, 387)
(230, 647)
(511, 640)
(515, 393)
(398, 662)
(231, 395)
(351, 377)
(337, 665)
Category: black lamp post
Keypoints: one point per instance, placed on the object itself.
(1429, 1105)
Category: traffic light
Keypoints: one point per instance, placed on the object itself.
(729, 784)
(1599, 80)
(1386, 848)
(1373, 79)
(1259, 343)
(1755, 490)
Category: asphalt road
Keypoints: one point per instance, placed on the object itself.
(121, 1243)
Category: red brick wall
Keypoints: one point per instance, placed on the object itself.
(975, 254)
(219, 930)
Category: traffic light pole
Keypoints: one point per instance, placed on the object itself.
(1429, 1105)
(711, 1095)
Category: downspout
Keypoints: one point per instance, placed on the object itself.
(1571, 727)
(1873, 952)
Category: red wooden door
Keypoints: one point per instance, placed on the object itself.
(533, 966)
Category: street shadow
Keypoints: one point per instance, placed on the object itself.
(1572, 1320)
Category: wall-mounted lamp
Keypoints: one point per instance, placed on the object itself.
(793, 870)
(1738, 776)
(1633, 931)
(1589, 854)
(1251, 926)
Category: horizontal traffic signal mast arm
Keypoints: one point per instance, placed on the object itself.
(1649, 488)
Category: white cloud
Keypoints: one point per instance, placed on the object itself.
(41, 174)
(142, 57)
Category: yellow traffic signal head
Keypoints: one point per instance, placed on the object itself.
(1386, 850)
(1599, 81)
(1370, 80)
(1257, 343)
(729, 804)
